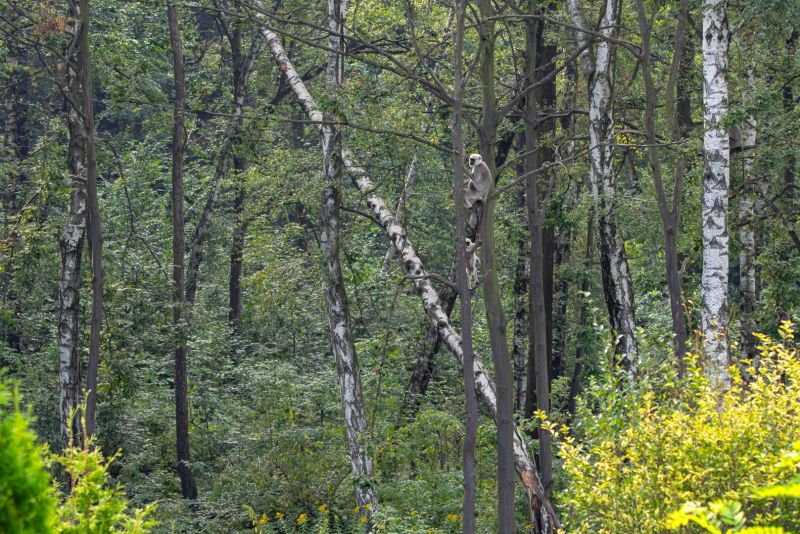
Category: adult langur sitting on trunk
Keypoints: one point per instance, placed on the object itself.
(477, 190)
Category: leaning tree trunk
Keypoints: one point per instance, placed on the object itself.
(188, 486)
(344, 349)
(748, 252)
(716, 180)
(71, 243)
(542, 512)
(617, 282)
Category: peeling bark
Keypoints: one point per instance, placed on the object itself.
(542, 511)
(617, 281)
(344, 349)
(72, 239)
(716, 181)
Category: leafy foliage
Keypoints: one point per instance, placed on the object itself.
(640, 452)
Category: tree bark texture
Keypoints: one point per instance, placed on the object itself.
(748, 248)
(95, 234)
(716, 181)
(188, 486)
(462, 278)
(344, 349)
(495, 317)
(669, 211)
(542, 512)
(72, 239)
(617, 281)
(538, 395)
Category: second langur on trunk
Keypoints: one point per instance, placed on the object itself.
(472, 262)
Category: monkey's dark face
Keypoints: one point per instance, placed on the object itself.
(471, 162)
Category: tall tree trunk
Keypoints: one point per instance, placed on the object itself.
(617, 282)
(716, 180)
(95, 236)
(583, 319)
(344, 348)
(519, 344)
(71, 243)
(239, 166)
(748, 251)
(543, 515)
(495, 317)
(188, 486)
(462, 281)
(669, 212)
(538, 395)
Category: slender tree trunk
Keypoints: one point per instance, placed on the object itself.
(188, 486)
(519, 344)
(543, 515)
(617, 282)
(462, 281)
(239, 166)
(583, 318)
(538, 395)
(495, 317)
(669, 211)
(748, 252)
(72, 239)
(335, 297)
(716, 180)
(95, 236)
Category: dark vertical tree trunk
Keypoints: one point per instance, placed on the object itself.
(462, 281)
(538, 396)
(519, 345)
(583, 318)
(239, 224)
(188, 487)
(495, 317)
(669, 210)
(95, 236)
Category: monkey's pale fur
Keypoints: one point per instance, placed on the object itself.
(480, 183)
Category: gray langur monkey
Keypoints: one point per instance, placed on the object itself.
(472, 262)
(480, 183)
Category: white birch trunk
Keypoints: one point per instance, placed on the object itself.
(344, 350)
(617, 282)
(415, 270)
(71, 243)
(747, 237)
(716, 180)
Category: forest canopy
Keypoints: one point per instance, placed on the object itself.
(399, 266)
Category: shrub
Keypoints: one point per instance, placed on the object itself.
(26, 500)
(647, 449)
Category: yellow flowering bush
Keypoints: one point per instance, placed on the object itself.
(640, 452)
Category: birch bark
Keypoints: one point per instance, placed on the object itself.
(344, 349)
(542, 512)
(617, 281)
(72, 239)
(716, 180)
